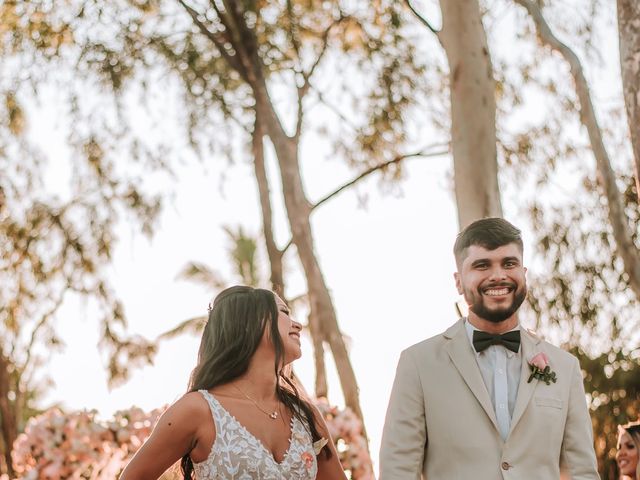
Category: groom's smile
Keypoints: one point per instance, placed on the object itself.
(498, 290)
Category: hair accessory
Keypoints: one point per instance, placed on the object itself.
(210, 307)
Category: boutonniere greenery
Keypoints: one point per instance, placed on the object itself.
(539, 365)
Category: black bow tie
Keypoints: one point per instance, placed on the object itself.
(483, 340)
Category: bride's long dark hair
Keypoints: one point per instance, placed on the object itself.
(236, 323)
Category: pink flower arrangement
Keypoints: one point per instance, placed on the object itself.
(57, 445)
(347, 433)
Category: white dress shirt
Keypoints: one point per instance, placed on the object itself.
(500, 369)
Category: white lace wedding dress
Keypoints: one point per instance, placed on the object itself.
(236, 454)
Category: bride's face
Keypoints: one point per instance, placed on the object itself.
(289, 332)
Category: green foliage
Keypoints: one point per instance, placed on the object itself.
(582, 300)
(33, 24)
(297, 45)
(243, 252)
(58, 215)
(582, 296)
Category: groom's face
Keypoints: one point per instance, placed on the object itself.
(492, 281)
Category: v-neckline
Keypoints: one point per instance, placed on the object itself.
(256, 439)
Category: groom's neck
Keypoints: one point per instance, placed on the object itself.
(493, 327)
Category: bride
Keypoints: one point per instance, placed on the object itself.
(242, 417)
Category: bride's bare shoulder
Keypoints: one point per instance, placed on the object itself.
(191, 408)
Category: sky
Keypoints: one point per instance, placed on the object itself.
(388, 265)
(385, 252)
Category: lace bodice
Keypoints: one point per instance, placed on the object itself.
(237, 454)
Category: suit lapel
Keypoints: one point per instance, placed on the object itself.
(462, 356)
(530, 347)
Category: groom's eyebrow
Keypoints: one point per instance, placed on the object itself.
(479, 261)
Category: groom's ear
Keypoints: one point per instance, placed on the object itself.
(456, 277)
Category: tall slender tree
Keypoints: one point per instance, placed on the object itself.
(228, 57)
(629, 37)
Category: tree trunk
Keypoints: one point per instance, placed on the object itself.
(473, 111)
(298, 212)
(246, 61)
(625, 247)
(7, 414)
(317, 337)
(629, 34)
(274, 254)
(275, 257)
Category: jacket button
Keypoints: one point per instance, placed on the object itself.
(505, 466)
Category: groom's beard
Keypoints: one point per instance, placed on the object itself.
(496, 315)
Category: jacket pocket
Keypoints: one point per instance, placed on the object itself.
(549, 402)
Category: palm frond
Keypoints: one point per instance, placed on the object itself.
(200, 273)
(192, 326)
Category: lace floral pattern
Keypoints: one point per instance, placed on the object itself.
(237, 454)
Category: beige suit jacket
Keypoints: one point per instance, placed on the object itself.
(441, 425)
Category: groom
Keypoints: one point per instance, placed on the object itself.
(478, 401)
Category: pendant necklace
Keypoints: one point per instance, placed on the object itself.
(273, 415)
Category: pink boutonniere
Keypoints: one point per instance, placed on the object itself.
(307, 458)
(540, 369)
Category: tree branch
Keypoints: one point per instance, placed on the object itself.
(300, 114)
(423, 20)
(231, 60)
(373, 169)
(619, 222)
(369, 171)
(292, 36)
(323, 49)
(304, 88)
(245, 42)
(334, 109)
(41, 323)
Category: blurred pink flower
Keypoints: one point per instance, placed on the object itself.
(57, 445)
(307, 458)
(347, 433)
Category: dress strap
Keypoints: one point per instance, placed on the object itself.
(214, 406)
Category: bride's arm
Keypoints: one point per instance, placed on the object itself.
(175, 435)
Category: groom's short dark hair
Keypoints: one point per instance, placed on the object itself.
(489, 233)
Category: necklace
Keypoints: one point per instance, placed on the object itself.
(273, 415)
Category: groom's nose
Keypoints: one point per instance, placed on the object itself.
(497, 272)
